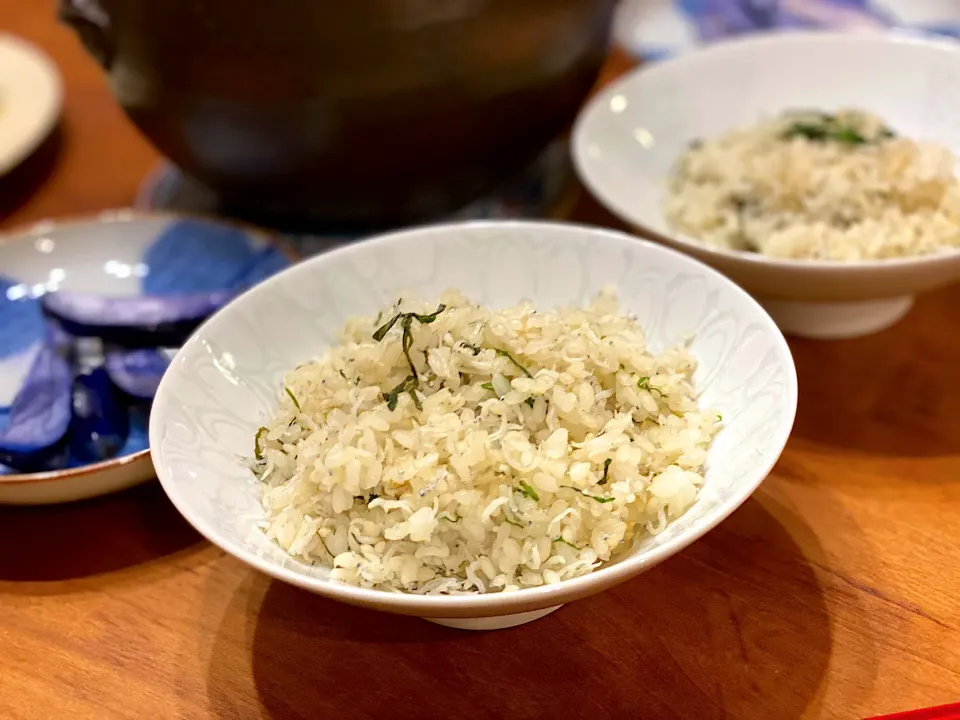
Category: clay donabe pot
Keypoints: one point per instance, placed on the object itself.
(348, 111)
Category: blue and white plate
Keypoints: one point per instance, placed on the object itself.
(73, 298)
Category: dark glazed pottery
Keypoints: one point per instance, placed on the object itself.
(350, 112)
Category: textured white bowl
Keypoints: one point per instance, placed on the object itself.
(225, 381)
(627, 140)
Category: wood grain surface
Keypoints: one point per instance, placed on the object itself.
(833, 593)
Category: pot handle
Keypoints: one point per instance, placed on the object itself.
(92, 24)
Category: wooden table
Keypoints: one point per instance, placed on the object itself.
(833, 592)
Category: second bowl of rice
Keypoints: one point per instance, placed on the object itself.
(815, 170)
(474, 423)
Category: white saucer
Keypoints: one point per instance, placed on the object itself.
(30, 98)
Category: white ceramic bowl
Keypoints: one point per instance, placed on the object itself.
(627, 139)
(226, 379)
(105, 255)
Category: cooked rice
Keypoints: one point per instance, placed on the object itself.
(796, 197)
(502, 480)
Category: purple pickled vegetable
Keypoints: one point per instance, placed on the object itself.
(163, 318)
(40, 413)
(55, 457)
(100, 423)
(60, 339)
(138, 437)
(63, 416)
(137, 372)
(138, 415)
(99, 426)
(140, 311)
(133, 322)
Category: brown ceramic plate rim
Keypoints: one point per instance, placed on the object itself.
(120, 216)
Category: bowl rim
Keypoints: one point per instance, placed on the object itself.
(489, 603)
(116, 217)
(687, 63)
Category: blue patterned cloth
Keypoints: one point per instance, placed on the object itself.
(656, 29)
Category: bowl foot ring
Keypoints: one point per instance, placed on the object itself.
(837, 320)
(500, 622)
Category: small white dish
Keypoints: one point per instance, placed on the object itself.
(30, 99)
(628, 138)
(225, 379)
(107, 255)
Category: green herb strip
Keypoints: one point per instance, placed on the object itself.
(293, 397)
(508, 356)
(324, 543)
(258, 443)
(606, 470)
(503, 353)
(528, 491)
(406, 342)
(598, 498)
(644, 384)
(427, 319)
(409, 385)
(829, 129)
(849, 136)
(489, 386)
(412, 383)
(559, 539)
(810, 131)
(384, 329)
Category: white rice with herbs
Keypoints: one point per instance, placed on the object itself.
(522, 448)
(818, 186)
